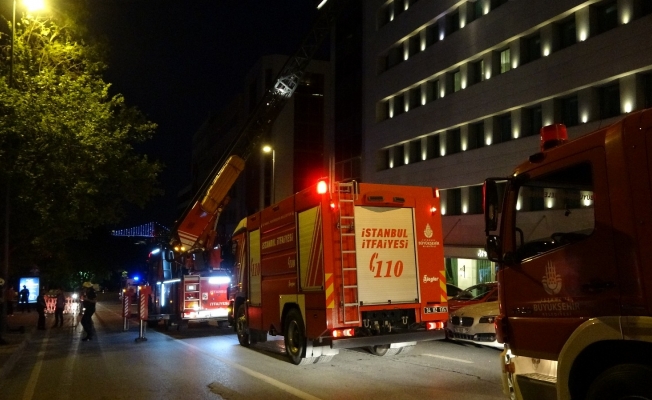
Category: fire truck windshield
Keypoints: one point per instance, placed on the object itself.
(553, 210)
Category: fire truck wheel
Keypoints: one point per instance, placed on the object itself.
(625, 381)
(383, 350)
(295, 338)
(242, 326)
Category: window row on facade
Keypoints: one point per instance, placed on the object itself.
(579, 26)
(452, 22)
(617, 97)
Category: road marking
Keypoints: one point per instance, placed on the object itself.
(31, 385)
(287, 388)
(449, 358)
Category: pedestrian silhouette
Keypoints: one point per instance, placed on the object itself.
(58, 309)
(40, 309)
(89, 309)
(23, 299)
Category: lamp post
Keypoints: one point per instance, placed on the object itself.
(270, 149)
(31, 5)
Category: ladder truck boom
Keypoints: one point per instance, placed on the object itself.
(197, 224)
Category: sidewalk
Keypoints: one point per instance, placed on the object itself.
(16, 341)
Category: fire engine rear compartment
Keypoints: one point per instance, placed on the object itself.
(371, 262)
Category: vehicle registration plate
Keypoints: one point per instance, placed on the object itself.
(437, 309)
(461, 330)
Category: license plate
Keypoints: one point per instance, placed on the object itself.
(461, 330)
(432, 310)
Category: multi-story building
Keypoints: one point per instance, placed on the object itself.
(456, 91)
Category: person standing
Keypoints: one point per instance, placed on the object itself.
(90, 298)
(9, 298)
(23, 299)
(40, 309)
(58, 309)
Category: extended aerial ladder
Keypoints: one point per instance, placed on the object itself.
(196, 229)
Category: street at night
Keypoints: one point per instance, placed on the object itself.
(206, 362)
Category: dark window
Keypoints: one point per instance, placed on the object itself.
(646, 7)
(454, 201)
(503, 128)
(476, 135)
(609, 101)
(415, 151)
(383, 159)
(433, 147)
(399, 155)
(453, 141)
(414, 44)
(532, 48)
(532, 121)
(475, 200)
(497, 3)
(569, 111)
(453, 22)
(415, 97)
(475, 10)
(394, 56)
(399, 7)
(386, 14)
(432, 34)
(399, 104)
(647, 89)
(477, 71)
(607, 16)
(385, 110)
(432, 91)
(567, 32)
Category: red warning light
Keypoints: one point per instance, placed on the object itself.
(322, 187)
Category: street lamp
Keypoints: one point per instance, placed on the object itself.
(30, 5)
(268, 149)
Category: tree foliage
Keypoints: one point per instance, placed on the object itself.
(67, 152)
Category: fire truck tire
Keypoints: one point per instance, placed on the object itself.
(242, 326)
(295, 338)
(383, 350)
(625, 381)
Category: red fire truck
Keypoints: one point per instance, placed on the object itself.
(350, 265)
(575, 265)
(194, 289)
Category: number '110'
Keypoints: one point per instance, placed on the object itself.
(376, 266)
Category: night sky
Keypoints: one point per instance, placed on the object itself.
(179, 60)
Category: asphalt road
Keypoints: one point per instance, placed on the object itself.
(206, 362)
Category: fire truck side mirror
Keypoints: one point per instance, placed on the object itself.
(493, 248)
(490, 205)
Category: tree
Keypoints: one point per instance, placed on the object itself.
(67, 153)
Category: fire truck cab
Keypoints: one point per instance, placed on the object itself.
(575, 264)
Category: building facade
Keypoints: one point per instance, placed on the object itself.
(456, 91)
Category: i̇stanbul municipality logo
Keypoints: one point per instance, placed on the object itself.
(551, 280)
(428, 231)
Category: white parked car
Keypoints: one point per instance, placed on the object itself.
(474, 324)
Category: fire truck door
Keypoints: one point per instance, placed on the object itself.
(254, 268)
(563, 258)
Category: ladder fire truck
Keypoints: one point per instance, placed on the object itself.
(191, 282)
(575, 265)
(340, 266)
